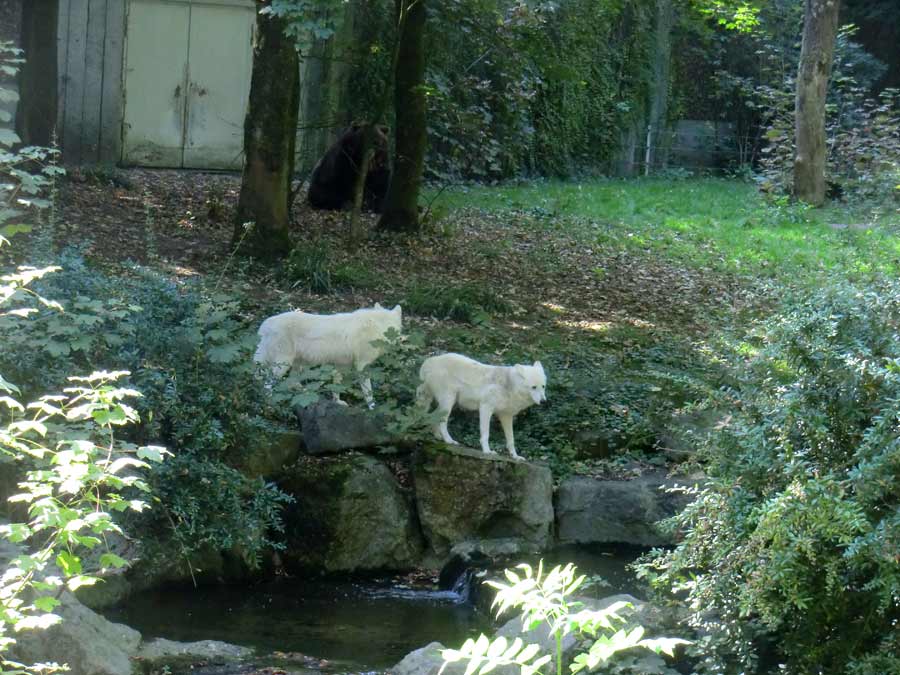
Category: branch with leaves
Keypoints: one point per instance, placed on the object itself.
(547, 600)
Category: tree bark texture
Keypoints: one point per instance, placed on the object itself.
(401, 206)
(820, 24)
(36, 116)
(269, 137)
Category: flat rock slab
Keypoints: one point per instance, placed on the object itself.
(589, 510)
(329, 427)
(464, 495)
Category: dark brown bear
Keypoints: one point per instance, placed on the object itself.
(331, 183)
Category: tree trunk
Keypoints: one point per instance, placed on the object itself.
(36, 115)
(820, 24)
(269, 137)
(401, 206)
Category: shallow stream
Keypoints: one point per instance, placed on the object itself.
(358, 625)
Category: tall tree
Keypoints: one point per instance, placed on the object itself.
(269, 137)
(401, 206)
(820, 24)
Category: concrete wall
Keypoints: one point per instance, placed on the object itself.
(702, 144)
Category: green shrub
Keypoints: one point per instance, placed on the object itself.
(469, 302)
(247, 512)
(190, 353)
(311, 265)
(790, 551)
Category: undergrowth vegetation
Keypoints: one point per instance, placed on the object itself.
(789, 553)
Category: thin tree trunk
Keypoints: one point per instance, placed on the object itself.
(401, 206)
(359, 185)
(820, 24)
(269, 137)
(368, 144)
(36, 117)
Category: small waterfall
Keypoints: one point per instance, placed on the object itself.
(462, 587)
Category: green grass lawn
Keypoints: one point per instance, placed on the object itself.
(724, 224)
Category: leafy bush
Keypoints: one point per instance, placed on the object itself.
(546, 600)
(468, 302)
(247, 512)
(789, 552)
(76, 472)
(189, 352)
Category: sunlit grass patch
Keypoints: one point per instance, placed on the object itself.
(720, 224)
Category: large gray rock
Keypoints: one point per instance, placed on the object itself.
(464, 495)
(330, 427)
(590, 510)
(350, 514)
(425, 661)
(84, 640)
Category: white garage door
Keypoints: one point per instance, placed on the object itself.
(187, 80)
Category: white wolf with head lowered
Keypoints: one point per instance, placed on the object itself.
(504, 391)
(343, 339)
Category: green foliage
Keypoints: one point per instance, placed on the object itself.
(189, 351)
(312, 265)
(305, 20)
(79, 475)
(790, 549)
(546, 600)
(515, 87)
(569, 79)
(77, 472)
(470, 302)
(749, 79)
(246, 512)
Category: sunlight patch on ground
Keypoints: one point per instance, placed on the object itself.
(553, 307)
(596, 326)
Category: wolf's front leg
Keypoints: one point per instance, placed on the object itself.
(506, 421)
(445, 405)
(484, 419)
(366, 385)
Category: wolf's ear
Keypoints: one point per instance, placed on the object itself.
(537, 364)
(378, 306)
(397, 309)
(520, 370)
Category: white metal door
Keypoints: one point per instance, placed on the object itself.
(155, 77)
(220, 62)
(187, 82)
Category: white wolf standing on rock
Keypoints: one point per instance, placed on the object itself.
(343, 339)
(454, 379)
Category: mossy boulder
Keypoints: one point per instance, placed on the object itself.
(464, 495)
(269, 453)
(350, 515)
